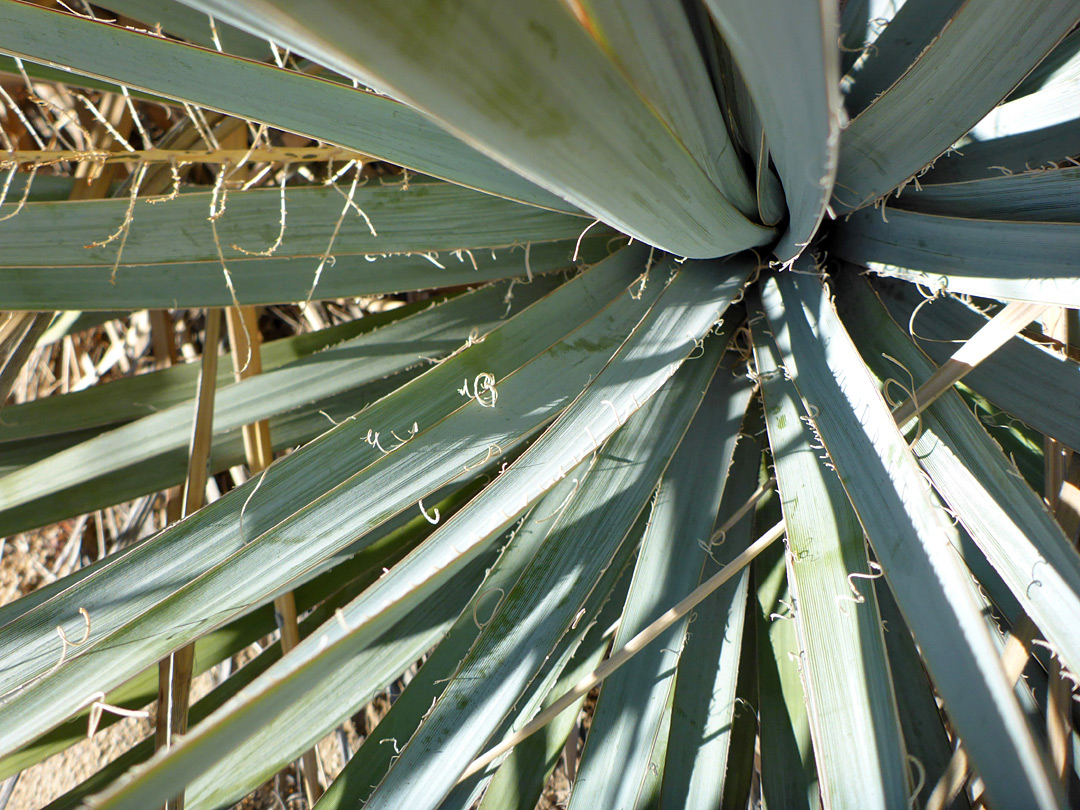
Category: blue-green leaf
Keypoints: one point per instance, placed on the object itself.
(906, 529)
(554, 107)
(852, 709)
(792, 68)
(630, 713)
(1022, 261)
(914, 121)
(363, 121)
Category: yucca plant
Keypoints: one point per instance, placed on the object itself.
(681, 312)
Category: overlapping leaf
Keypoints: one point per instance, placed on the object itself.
(212, 544)
(905, 528)
(1010, 523)
(632, 712)
(852, 709)
(907, 127)
(553, 107)
(81, 474)
(366, 122)
(322, 242)
(792, 70)
(705, 751)
(1033, 384)
(666, 335)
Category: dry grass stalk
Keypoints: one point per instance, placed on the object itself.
(174, 676)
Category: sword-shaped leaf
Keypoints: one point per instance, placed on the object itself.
(603, 605)
(1043, 196)
(316, 600)
(1040, 148)
(325, 693)
(128, 398)
(741, 770)
(170, 256)
(360, 120)
(315, 495)
(292, 429)
(520, 780)
(701, 770)
(28, 496)
(628, 720)
(545, 601)
(907, 531)
(555, 107)
(924, 733)
(914, 121)
(378, 749)
(424, 216)
(1038, 386)
(745, 124)
(853, 716)
(647, 361)
(788, 775)
(790, 63)
(269, 281)
(647, 40)
(1027, 109)
(1010, 523)
(196, 28)
(915, 25)
(1021, 261)
(1061, 65)
(242, 769)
